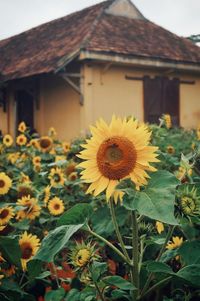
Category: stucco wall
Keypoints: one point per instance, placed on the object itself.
(3, 121)
(59, 107)
(190, 103)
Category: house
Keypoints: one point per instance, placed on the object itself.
(104, 59)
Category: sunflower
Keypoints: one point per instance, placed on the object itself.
(71, 167)
(52, 132)
(34, 143)
(115, 152)
(170, 149)
(13, 157)
(5, 183)
(73, 176)
(189, 201)
(175, 243)
(56, 206)
(24, 178)
(6, 214)
(8, 140)
(159, 227)
(29, 245)
(31, 208)
(22, 127)
(47, 194)
(36, 160)
(56, 177)
(167, 120)
(24, 189)
(83, 254)
(21, 140)
(66, 147)
(45, 143)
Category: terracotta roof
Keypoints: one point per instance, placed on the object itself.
(42, 49)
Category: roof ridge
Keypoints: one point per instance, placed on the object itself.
(94, 24)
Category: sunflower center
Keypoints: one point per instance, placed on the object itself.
(56, 206)
(4, 213)
(188, 205)
(2, 183)
(57, 178)
(27, 250)
(45, 143)
(116, 157)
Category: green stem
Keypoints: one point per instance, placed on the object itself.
(155, 286)
(135, 253)
(109, 244)
(119, 237)
(169, 234)
(99, 291)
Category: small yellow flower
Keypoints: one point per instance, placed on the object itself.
(168, 122)
(6, 213)
(25, 178)
(29, 245)
(56, 177)
(5, 183)
(36, 160)
(66, 147)
(21, 140)
(8, 140)
(175, 243)
(170, 149)
(159, 227)
(73, 176)
(56, 206)
(13, 157)
(22, 127)
(60, 158)
(34, 143)
(83, 254)
(52, 132)
(31, 208)
(47, 194)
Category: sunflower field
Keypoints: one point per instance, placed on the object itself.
(111, 216)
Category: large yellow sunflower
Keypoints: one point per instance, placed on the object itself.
(56, 177)
(6, 214)
(175, 243)
(21, 140)
(56, 206)
(45, 143)
(5, 183)
(8, 140)
(31, 208)
(115, 152)
(29, 245)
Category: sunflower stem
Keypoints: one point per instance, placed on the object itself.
(119, 237)
(135, 254)
(169, 234)
(155, 286)
(109, 244)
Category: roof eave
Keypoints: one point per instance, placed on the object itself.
(141, 62)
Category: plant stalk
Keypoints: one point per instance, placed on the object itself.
(169, 234)
(135, 253)
(119, 237)
(155, 286)
(109, 244)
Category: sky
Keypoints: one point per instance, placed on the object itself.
(182, 17)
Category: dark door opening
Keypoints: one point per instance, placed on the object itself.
(25, 108)
(161, 96)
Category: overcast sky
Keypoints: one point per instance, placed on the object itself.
(179, 16)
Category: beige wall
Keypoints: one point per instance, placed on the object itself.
(59, 107)
(190, 103)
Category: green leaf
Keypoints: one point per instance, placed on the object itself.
(73, 295)
(157, 199)
(55, 241)
(159, 267)
(118, 294)
(119, 282)
(97, 270)
(34, 268)
(190, 273)
(10, 249)
(55, 295)
(190, 252)
(76, 215)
